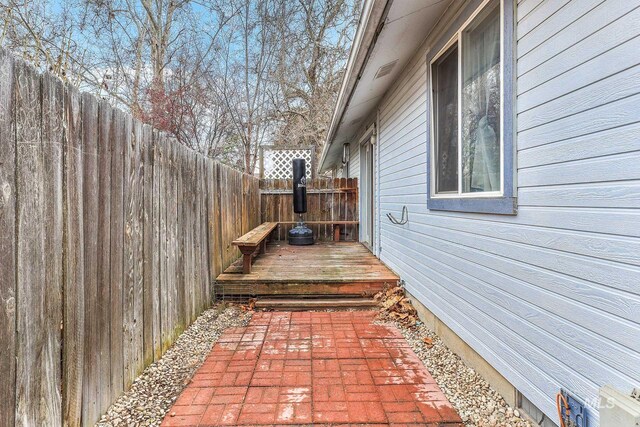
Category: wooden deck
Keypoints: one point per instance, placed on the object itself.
(329, 269)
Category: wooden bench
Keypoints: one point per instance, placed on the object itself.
(251, 241)
(335, 224)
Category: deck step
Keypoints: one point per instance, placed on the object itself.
(301, 289)
(292, 304)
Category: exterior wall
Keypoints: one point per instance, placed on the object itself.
(354, 160)
(550, 297)
(354, 164)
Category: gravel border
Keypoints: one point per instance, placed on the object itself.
(478, 404)
(160, 384)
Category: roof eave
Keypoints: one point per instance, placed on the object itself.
(373, 13)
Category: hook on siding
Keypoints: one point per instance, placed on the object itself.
(403, 220)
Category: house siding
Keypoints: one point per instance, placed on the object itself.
(551, 296)
(354, 160)
(354, 164)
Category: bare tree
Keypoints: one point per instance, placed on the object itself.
(159, 54)
(223, 76)
(45, 37)
(137, 40)
(314, 51)
(282, 69)
(247, 64)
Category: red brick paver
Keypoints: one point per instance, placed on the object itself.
(312, 368)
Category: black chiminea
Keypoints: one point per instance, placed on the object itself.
(300, 234)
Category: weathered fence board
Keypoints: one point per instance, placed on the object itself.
(73, 324)
(174, 279)
(114, 232)
(52, 92)
(162, 169)
(182, 239)
(116, 253)
(194, 290)
(155, 250)
(138, 319)
(133, 331)
(90, 234)
(30, 249)
(207, 278)
(104, 256)
(151, 335)
(213, 222)
(7, 243)
(327, 200)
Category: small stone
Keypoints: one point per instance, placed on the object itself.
(470, 394)
(153, 393)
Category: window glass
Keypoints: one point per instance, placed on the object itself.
(445, 92)
(481, 102)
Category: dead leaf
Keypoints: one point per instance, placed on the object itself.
(396, 306)
(251, 306)
(428, 342)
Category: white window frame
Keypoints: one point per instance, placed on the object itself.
(457, 38)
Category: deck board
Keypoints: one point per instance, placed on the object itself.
(325, 268)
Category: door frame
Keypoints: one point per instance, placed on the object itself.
(366, 147)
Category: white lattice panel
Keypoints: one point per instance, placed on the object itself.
(278, 162)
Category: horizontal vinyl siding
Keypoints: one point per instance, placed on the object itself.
(354, 160)
(551, 296)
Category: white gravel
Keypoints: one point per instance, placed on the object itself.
(153, 392)
(478, 404)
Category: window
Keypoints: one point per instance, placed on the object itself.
(445, 110)
(471, 151)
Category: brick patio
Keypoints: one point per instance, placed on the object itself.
(312, 368)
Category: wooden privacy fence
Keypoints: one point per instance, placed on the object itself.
(110, 237)
(327, 200)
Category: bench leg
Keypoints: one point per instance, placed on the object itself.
(336, 233)
(263, 246)
(246, 263)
